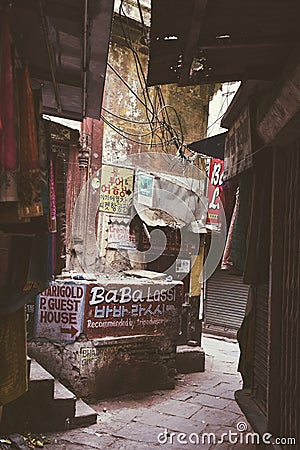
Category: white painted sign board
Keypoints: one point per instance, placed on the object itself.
(59, 312)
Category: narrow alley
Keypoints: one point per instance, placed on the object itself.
(202, 403)
(149, 224)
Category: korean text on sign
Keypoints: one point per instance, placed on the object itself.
(116, 189)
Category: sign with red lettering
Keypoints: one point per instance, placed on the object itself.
(128, 309)
(119, 234)
(59, 312)
(216, 170)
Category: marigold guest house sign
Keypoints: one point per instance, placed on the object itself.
(116, 189)
(59, 312)
(123, 309)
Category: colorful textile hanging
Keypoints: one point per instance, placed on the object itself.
(227, 263)
(8, 149)
(30, 180)
(13, 367)
(239, 237)
(52, 225)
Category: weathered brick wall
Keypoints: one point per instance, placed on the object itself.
(110, 366)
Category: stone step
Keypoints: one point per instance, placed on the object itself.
(62, 394)
(189, 359)
(63, 406)
(84, 415)
(28, 366)
(41, 382)
(48, 405)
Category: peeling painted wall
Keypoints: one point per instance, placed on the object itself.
(124, 108)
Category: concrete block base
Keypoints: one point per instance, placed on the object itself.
(190, 359)
(110, 366)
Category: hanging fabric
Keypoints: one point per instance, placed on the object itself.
(52, 221)
(44, 148)
(227, 263)
(30, 180)
(13, 367)
(8, 148)
(239, 237)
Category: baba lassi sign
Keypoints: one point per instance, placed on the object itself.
(59, 312)
(120, 310)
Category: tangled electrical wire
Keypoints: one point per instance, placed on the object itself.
(159, 128)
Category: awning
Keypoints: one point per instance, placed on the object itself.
(65, 44)
(201, 41)
(212, 146)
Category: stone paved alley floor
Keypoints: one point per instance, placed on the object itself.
(201, 403)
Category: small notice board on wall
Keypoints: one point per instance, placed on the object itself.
(116, 190)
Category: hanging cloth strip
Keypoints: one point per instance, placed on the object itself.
(8, 148)
(30, 179)
(227, 263)
(52, 221)
(13, 368)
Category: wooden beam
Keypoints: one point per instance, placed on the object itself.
(246, 46)
(67, 77)
(192, 40)
(282, 108)
(50, 54)
(53, 8)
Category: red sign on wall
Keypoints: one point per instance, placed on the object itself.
(216, 171)
(128, 309)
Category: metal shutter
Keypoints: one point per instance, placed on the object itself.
(260, 369)
(289, 377)
(226, 299)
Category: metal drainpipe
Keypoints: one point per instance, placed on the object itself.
(50, 55)
(85, 40)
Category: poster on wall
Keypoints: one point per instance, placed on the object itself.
(59, 312)
(238, 146)
(116, 189)
(145, 183)
(216, 171)
(124, 309)
(119, 235)
(183, 265)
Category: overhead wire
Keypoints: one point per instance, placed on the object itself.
(128, 132)
(141, 101)
(157, 125)
(142, 18)
(126, 119)
(138, 64)
(127, 85)
(121, 133)
(139, 67)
